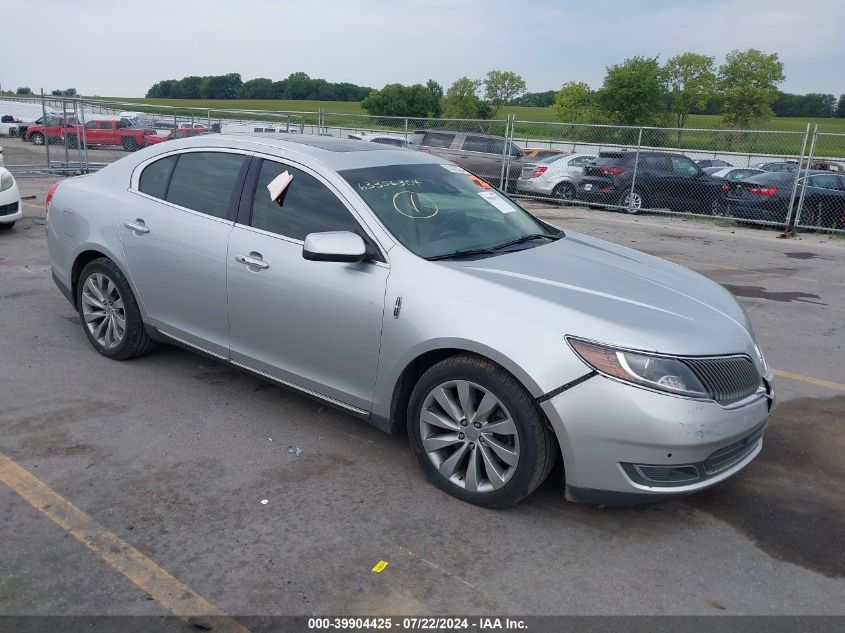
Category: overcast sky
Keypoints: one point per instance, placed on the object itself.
(118, 49)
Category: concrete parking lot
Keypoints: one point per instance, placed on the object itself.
(173, 454)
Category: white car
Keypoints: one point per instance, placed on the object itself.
(555, 176)
(396, 140)
(10, 200)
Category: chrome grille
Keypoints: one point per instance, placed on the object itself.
(727, 379)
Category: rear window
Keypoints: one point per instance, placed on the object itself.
(612, 159)
(438, 139)
(205, 181)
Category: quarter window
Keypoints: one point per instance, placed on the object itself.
(205, 181)
(308, 206)
(156, 177)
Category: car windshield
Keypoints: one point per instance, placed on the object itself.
(437, 210)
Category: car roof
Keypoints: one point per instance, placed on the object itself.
(335, 153)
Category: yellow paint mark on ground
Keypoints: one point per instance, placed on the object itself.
(809, 379)
(380, 566)
(34, 206)
(142, 571)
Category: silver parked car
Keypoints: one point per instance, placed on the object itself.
(555, 176)
(408, 292)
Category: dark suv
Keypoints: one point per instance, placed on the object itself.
(664, 180)
(480, 154)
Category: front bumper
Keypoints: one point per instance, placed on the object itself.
(611, 433)
(11, 208)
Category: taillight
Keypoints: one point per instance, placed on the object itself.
(425, 150)
(539, 171)
(763, 191)
(725, 188)
(50, 193)
(612, 171)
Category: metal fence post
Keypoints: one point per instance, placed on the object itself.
(790, 214)
(796, 217)
(80, 131)
(46, 138)
(503, 185)
(64, 131)
(84, 145)
(406, 131)
(634, 175)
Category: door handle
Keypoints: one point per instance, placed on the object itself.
(137, 226)
(249, 260)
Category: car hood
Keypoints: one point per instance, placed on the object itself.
(600, 291)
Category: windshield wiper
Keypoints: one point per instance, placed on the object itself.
(492, 250)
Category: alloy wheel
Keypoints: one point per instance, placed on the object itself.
(469, 436)
(103, 310)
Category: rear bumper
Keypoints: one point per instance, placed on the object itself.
(615, 437)
(746, 211)
(532, 187)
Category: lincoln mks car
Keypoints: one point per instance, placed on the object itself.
(408, 292)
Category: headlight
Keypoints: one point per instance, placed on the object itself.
(657, 372)
(6, 181)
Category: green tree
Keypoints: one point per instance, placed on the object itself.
(691, 83)
(575, 103)
(462, 101)
(501, 87)
(188, 88)
(258, 88)
(633, 92)
(748, 83)
(220, 86)
(436, 91)
(398, 100)
(840, 107)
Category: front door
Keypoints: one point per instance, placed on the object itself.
(174, 232)
(314, 325)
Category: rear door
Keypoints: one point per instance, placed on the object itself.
(313, 325)
(174, 227)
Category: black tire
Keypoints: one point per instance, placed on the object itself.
(72, 141)
(636, 208)
(136, 342)
(37, 138)
(7, 226)
(537, 446)
(13, 132)
(564, 192)
(129, 143)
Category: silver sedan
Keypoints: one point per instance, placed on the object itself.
(404, 290)
(555, 176)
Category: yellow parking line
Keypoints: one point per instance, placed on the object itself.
(34, 206)
(810, 379)
(143, 572)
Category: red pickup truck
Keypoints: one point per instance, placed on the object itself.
(113, 132)
(178, 133)
(96, 132)
(55, 130)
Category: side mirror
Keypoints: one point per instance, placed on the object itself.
(334, 246)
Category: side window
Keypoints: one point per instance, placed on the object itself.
(90, 125)
(684, 166)
(106, 125)
(580, 161)
(205, 181)
(308, 205)
(438, 139)
(156, 177)
(824, 181)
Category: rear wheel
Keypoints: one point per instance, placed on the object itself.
(36, 138)
(633, 201)
(13, 132)
(109, 312)
(564, 192)
(129, 144)
(477, 433)
(72, 141)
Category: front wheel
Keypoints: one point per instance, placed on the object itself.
(477, 433)
(36, 138)
(109, 312)
(7, 226)
(633, 201)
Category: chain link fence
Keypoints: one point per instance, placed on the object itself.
(778, 178)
